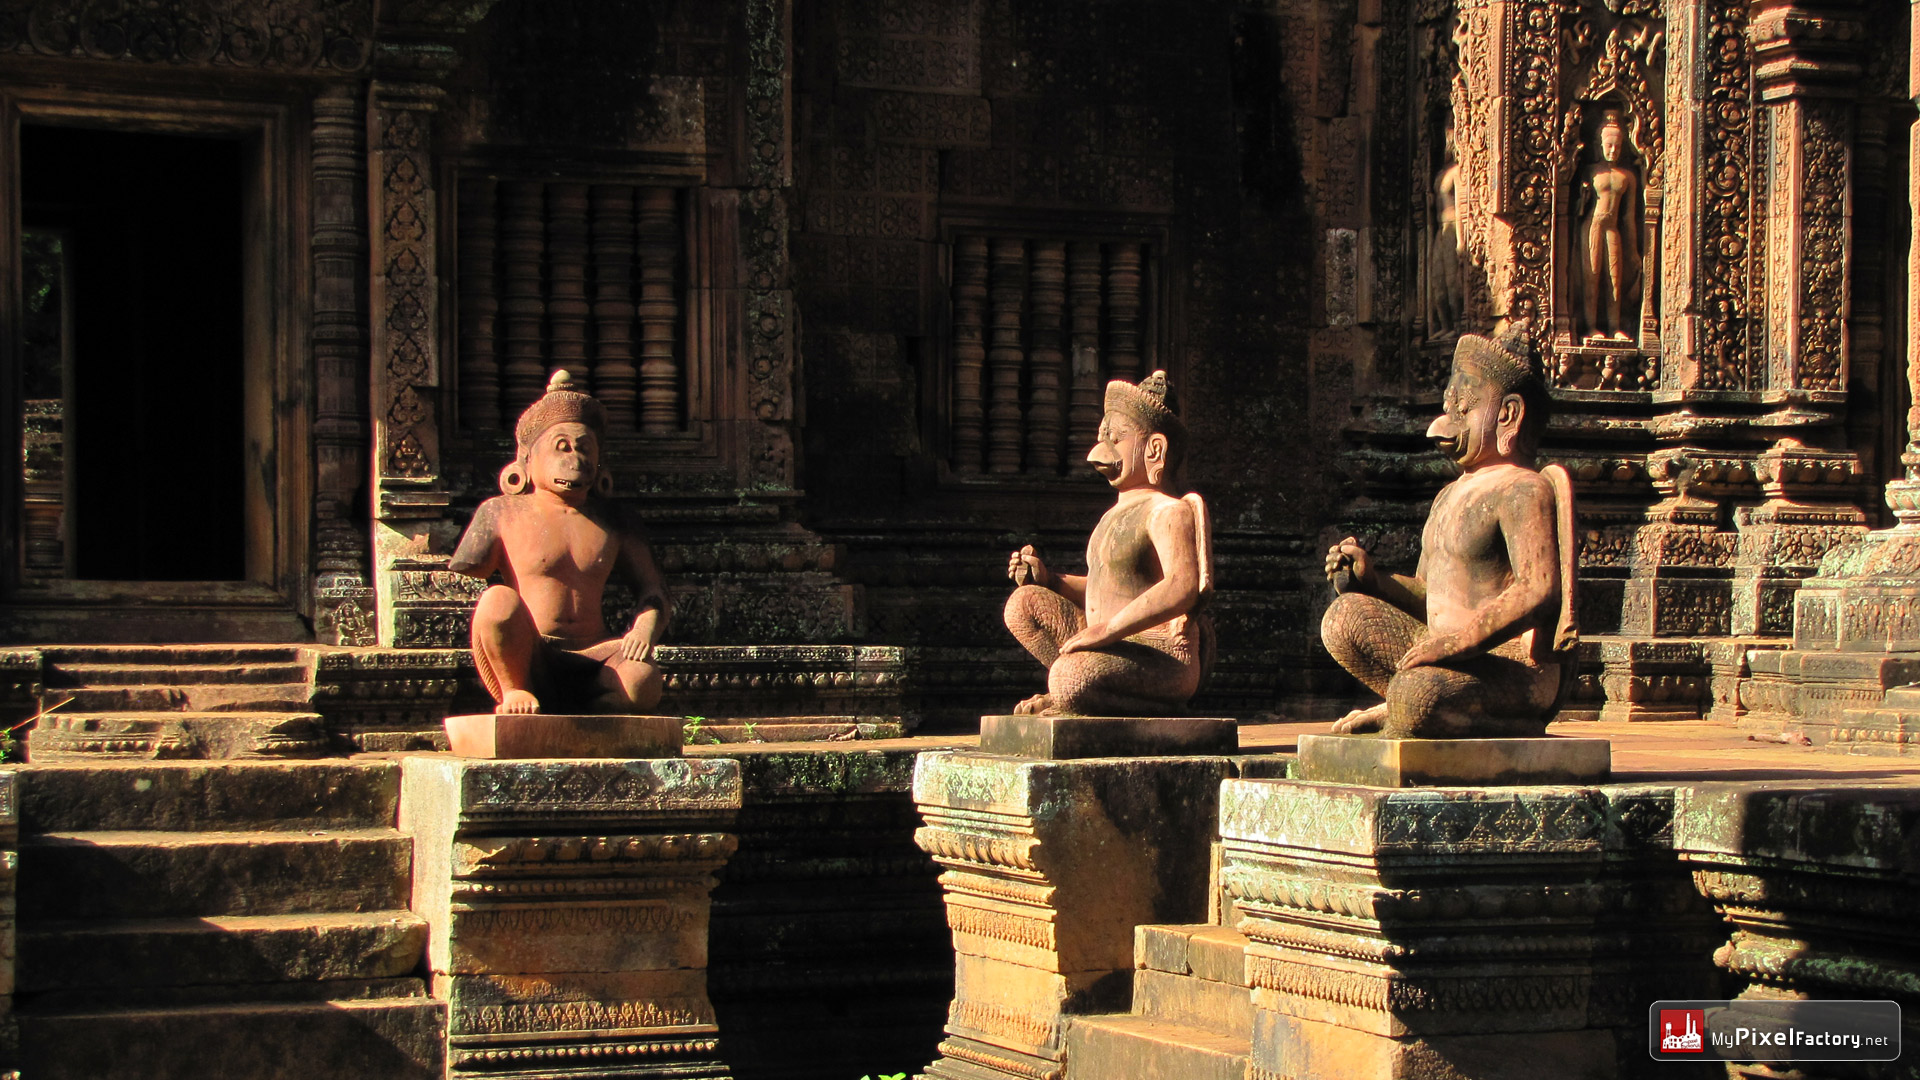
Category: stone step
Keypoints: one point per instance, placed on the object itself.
(1203, 950)
(62, 677)
(98, 998)
(117, 955)
(157, 874)
(1141, 1048)
(180, 796)
(379, 1039)
(161, 734)
(205, 697)
(1221, 1008)
(124, 655)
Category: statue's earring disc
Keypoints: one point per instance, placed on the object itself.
(513, 480)
(603, 484)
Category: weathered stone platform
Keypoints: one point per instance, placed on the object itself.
(1060, 737)
(1049, 867)
(538, 735)
(567, 906)
(1372, 761)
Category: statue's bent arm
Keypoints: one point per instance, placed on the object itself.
(1408, 593)
(479, 552)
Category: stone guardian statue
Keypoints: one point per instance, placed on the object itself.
(1477, 642)
(1127, 639)
(539, 639)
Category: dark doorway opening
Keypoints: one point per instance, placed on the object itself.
(152, 435)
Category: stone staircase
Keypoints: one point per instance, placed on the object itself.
(220, 919)
(1192, 1015)
(178, 701)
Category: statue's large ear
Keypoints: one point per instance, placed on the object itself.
(1157, 447)
(1512, 411)
(514, 479)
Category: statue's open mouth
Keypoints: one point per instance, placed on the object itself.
(1106, 468)
(567, 482)
(1447, 446)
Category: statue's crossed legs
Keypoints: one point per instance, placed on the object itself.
(1503, 693)
(1153, 673)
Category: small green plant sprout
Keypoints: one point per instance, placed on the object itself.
(753, 735)
(690, 728)
(887, 1076)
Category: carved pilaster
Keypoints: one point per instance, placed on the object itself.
(1805, 64)
(568, 908)
(770, 463)
(343, 589)
(1705, 289)
(1048, 867)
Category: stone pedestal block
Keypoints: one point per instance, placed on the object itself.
(539, 735)
(1049, 867)
(1399, 763)
(1107, 736)
(568, 908)
(1469, 934)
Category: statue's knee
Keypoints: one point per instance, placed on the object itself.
(497, 606)
(1342, 616)
(1413, 694)
(1022, 605)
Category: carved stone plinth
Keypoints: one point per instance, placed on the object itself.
(1817, 884)
(539, 735)
(1402, 763)
(568, 907)
(1107, 736)
(1453, 933)
(1049, 866)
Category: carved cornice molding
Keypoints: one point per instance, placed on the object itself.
(280, 36)
(1804, 49)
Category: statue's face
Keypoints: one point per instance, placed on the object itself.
(566, 461)
(1610, 138)
(1125, 452)
(1469, 430)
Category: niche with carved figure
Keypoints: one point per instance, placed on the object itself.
(1606, 328)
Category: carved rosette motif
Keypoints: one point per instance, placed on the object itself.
(1530, 185)
(764, 214)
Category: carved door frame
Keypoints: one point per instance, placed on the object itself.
(268, 603)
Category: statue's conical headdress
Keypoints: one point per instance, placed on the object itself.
(1150, 401)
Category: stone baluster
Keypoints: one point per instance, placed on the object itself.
(969, 349)
(1083, 298)
(1123, 311)
(659, 311)
(479, 305)
(522, 236)
(1005, 356)
(1044, 415)
(614, 376)
(567, 277)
